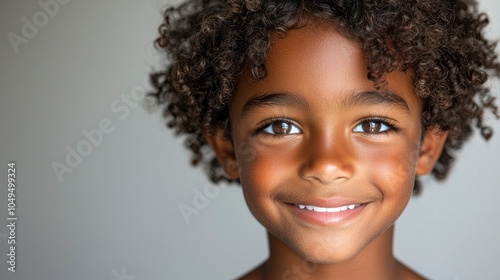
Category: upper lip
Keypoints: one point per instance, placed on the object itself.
(334, 202)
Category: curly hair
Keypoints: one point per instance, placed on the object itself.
(207, 43)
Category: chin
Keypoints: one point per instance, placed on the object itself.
(321, 253)
(328, 257)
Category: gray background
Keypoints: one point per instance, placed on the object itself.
(116, 215)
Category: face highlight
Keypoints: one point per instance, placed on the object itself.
(324, 158)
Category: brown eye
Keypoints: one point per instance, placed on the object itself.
(372, 126)
(281, 128)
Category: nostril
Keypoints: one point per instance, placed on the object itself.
(326, 172)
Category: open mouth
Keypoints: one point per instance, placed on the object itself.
(325, 209)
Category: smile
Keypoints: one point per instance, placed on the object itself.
(327, 215)
(324, 209)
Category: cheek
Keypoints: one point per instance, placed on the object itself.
(262, 166)
(256, 165)
(259, 170)
(263, 169)
(391, 169)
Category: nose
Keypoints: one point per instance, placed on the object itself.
(327, 159)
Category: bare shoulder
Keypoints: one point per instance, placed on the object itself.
(406, 273)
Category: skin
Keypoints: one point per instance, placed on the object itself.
(312, 141)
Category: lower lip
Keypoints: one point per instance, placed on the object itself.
(327, 218)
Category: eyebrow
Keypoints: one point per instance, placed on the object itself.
(376, 98)
(357, 98)
(273, 99)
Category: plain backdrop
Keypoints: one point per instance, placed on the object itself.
(114, 214)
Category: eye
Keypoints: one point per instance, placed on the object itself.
(280, 127)
(373, 126)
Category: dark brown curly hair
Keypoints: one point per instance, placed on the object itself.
(208, 42)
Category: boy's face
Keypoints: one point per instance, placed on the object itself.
(316, 132)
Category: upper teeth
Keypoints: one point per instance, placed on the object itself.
(324, 209)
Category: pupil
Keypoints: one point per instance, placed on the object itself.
(281, 128)
(371, 127)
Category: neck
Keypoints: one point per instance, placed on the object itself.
(375, 261)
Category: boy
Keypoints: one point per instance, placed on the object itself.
(326, 112)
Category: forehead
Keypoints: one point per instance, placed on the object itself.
(320, 64)
(315, 50)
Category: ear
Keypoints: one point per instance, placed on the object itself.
(224, 151)
(430, 150)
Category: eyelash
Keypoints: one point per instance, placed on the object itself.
(391, 125)
(267, 123)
